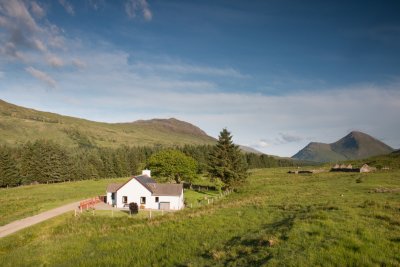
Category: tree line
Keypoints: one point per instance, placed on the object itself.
(45, 161)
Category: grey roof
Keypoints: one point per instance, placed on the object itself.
(165, 189)
(145, 180)
(113, 187)
(155, 188)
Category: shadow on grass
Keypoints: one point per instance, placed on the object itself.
(256, 248)
(253, 249)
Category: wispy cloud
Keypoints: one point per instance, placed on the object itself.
(67, 6)
(37, 10)
(96, 4)
(23, 34)
(78, 63)
(132, 7)
(261, 144)
(42, 76)
(289, 138)
(183, 68)
(55, 61)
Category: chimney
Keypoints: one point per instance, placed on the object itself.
(146, 172)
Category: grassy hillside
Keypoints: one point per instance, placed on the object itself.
(391, 161)
(328, 219)
(355, 145)
(318, 152)
(19, 125)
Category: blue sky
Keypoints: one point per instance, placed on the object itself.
(278, 74)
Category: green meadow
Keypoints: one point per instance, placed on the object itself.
(24, 201)
(277, 219)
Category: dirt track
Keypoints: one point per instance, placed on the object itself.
(26, 222)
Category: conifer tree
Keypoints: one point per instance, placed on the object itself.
(8, 169)
(227, 163)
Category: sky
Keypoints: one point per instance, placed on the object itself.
(277, 73)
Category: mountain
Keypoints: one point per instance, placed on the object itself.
(355, 145)
(20, 125)
(248, 149)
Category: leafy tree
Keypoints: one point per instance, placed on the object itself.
(173, 165)
(227, 163)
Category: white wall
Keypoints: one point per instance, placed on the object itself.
(135, 190)
(176, 202)
(109, 201)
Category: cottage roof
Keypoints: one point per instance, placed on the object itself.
(144, 179)
(112, 188)
(165, 189)
(149, 183)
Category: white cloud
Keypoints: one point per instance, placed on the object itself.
(55, 61)
(67, 6)
(289, 138)
(134, 6)
(183, 68)
(78, 63)
(37, 10)
(261, 144)
(42, 76)
(25, 31)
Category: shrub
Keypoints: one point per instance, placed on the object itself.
(133, 207)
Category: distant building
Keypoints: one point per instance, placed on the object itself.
(349, 168)
(367, 168)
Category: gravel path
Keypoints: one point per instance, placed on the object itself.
(26, 222)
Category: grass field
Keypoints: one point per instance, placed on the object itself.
(24, 201)
(327, 219)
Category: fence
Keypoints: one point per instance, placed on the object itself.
(89, 203)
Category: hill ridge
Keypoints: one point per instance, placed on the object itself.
(355, 145)
(20, 124)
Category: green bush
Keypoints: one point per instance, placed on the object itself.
(133, 207)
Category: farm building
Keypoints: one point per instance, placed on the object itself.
(349, 168)
(367, 168)
(147, 193)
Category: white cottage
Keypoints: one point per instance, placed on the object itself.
(147, 193)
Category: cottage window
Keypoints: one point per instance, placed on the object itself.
(124, 199)
(142, 200)
(157, 199)
(112, 196)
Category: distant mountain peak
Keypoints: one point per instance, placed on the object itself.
(355, 145)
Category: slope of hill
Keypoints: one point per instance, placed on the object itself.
(19, 125)
(355, 145)
(391, 161)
